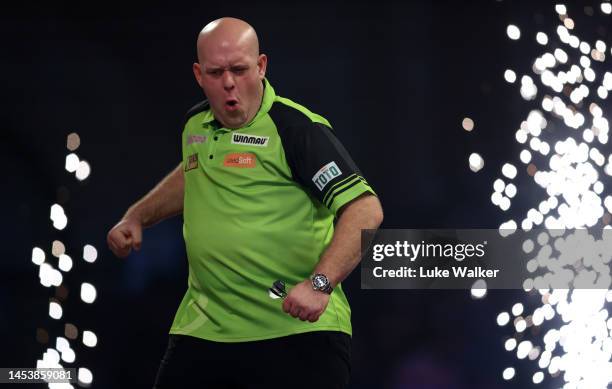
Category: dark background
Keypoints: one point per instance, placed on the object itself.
(394, 79)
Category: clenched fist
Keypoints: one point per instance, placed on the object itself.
(305, 303)
(124, 236)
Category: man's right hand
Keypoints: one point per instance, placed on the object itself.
(163, 201)
(124, 236)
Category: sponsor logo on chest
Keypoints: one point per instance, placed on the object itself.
(192, 162)
(195, 139)
(326, 174)
(242, 160)
(250, 140)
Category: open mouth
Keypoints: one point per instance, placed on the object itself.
(231, 103)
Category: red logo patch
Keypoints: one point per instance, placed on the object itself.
(243, 160)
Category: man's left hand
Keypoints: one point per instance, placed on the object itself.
(305, 303)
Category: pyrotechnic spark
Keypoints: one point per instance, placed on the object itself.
(571, 166)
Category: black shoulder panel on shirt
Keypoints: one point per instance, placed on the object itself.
(199, 107)
(285, 116)
(290, 124)
(311, 148)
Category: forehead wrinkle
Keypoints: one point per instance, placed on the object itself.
(227, 58)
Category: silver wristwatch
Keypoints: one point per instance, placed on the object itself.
(321, 283)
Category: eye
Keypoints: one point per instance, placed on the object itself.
(239, 70)
(215, 72)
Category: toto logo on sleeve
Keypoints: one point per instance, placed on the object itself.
(326, 174)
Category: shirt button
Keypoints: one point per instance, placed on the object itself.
(210, 157)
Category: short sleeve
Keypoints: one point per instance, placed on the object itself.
(321, 164)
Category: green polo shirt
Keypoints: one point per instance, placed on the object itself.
(259, 206)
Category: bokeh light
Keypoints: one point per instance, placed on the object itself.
(467, 124)
(88, 293)
(513, 32)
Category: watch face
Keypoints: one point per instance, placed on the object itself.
(319, 281)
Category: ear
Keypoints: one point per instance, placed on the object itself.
(197, 72)
(262, 63)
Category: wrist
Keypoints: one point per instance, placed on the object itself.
(321, 283)
(136, 215)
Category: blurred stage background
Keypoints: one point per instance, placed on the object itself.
(395, 79)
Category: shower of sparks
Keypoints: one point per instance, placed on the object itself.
(572, 167)
(49, 275)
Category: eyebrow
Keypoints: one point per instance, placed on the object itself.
(238, 65)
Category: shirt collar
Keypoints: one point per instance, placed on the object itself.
(266, 104)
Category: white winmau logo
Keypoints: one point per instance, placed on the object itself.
(326, 174)
(251, 140)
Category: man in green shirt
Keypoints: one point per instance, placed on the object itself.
(260, 185)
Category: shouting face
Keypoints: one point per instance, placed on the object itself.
(230, 70)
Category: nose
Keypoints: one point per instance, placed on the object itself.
(228, 80)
